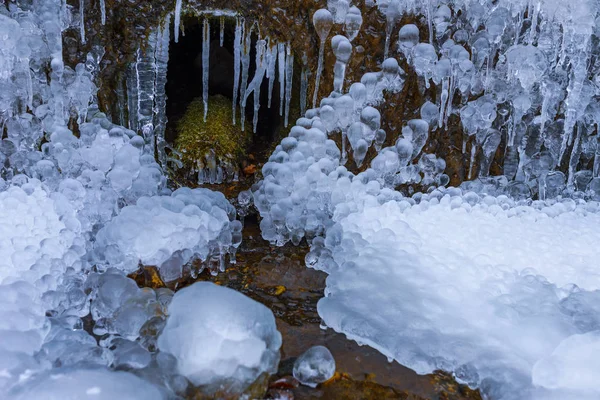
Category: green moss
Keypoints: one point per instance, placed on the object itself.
(196, 138)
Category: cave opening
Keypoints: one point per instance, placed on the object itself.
(184, 81)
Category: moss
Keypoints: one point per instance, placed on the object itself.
(196, 138)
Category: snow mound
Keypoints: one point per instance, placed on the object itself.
(220, 338)
(168, 231)
(81, 384)
(498, 292)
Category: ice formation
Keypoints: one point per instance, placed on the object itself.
(316, 365)
(96, 384)
(221, 338)
(481, 280)
(494, 281)
(72, 209)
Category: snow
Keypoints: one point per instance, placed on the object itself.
(480, 285)
(220, 337)
(96, 384)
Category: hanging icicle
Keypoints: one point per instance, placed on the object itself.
(82, 21)
(271, 63)
(161, 56)
(303, 87)
(247, 43)
(237, 42)
(256, 82)
(322, 21)
(103, 12)
(205, 64)
(281, 64)
(222, 31)
(177, 20)
(289, 74)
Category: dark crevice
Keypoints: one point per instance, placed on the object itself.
(184, 80)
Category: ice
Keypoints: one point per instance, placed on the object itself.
(289, 75)
(281, 63)
(316, 365)
(304, 87)
(102, 12)
(271, 62)
(353, 23)
(246, 44)
(221, 30)
(225, 344)
(187, 224)
(342, 48)
(82, 20)
(578, 352)
(178, 4)
(338, 9)
(237, 54)
(322, 21)
(97, 384)
(205, 64)
(500, 319)
(408, 38)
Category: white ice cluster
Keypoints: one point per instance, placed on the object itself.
(80, 208)
(222, 339)
(478, 280)
(170, 231)
(502, 293)
(84, 384)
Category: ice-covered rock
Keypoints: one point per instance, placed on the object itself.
(316, 365)
(168, 231)
(82, 384)
(220, 338)
(503, 293)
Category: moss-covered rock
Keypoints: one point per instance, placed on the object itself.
(197, 140)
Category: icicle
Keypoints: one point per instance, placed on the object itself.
(429, 21)
(596, 167)
(271, 62)
(82, 21)
(245, 67)
(289, 73)
(121, 99)
(161, 56)
(237, 41)
(303, 89)
(256, 82)
(575, 155)
(322, 21)
(342, 48)
(472, 163)
(205, 64)
(177, 20)
(103, 12)
(222, 31)
(132, 97)
(281, 64)
(145, 70)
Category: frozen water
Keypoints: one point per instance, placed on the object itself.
(322, 21)
(189, 223)
(97, 384)
(316, 365)
(496, 307)
(220, 338)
